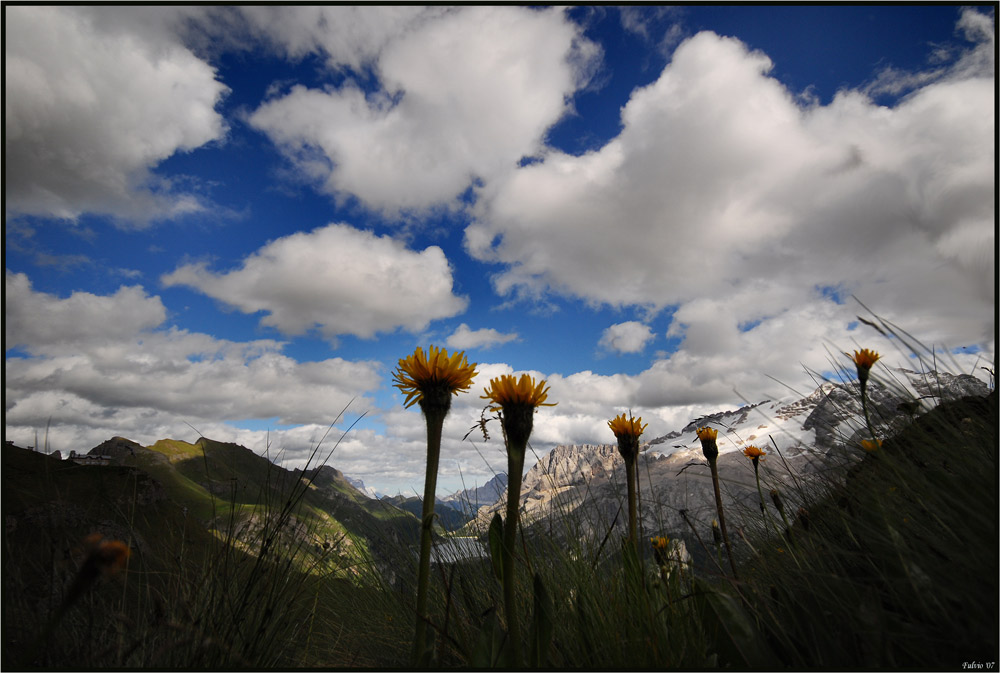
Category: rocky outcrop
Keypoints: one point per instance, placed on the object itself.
(117, 447)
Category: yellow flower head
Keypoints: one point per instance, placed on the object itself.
(864, 359)
(506, 390)
(660, 545)
(629, 427)
(708, 445)
(419, 374)
(518, 398)
(752, 452)
(871, 446)
(707, 433)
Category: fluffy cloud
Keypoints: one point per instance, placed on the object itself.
(626, 337)
(98, 366)
(90, 109)
(463, 96)
(44, 323)
(124, 374)
(978, 61)
(337, 279)
(464, 338)
(350, 37)
(721, 185)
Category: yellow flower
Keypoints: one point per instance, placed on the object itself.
(864, 359)
(417, 375)
(660, 545)
(708, 445)
(707, 433)
(506, 390)
(870, 446)
(752, 452)
(629, 427)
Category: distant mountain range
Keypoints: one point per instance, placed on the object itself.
(214, 487)
(580, 489)
(572, 490)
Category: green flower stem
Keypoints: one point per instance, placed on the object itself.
(760, 492)
(435, 422)
(768, 519)
(722, 517)
(630, 478)
(515, 465)
(864, 408)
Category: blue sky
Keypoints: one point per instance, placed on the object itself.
(239, 219)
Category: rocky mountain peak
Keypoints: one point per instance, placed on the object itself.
(586, 482)
(116, 447)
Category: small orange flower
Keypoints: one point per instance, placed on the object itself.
(864, 359)
(660, 545)
(105, 557)
(871, 446)
(754, 453)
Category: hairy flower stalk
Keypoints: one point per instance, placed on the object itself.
(709, 447)
(863, 360)
(430, 381)
(516, 401)
(755, 454)
(717, 542)
(627, 431)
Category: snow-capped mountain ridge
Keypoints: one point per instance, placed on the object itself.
(587, 481)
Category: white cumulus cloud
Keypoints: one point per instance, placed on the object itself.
(90, 109)
(722, 184)
(337, 279)
(464, 338)
(463, 96)
(90, 367)
(626, 337)
(349, 36)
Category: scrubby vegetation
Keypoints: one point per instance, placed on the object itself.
(888, 561)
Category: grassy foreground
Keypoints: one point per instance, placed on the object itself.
(891, 562)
